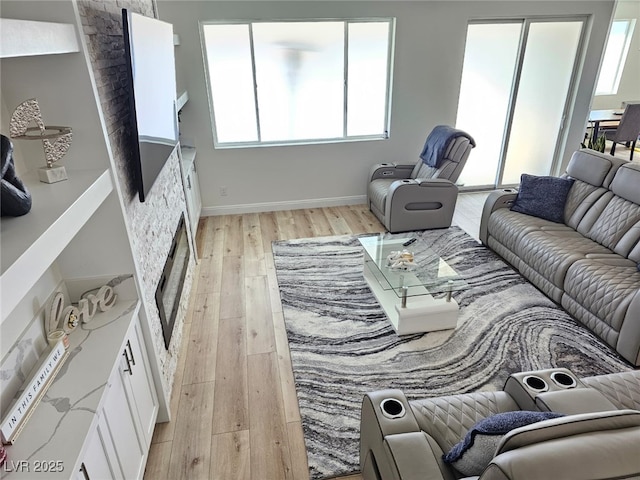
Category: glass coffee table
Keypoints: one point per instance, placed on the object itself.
(406, 295)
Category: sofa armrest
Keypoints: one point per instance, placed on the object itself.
(495, 200)
(412, 458)
(390, 170)
(629, 338)
(376, 424)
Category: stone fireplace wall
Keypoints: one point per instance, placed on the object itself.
(152, 224)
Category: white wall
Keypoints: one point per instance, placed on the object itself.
(429, 53)
(629, 88)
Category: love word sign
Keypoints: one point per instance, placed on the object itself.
(59, 316)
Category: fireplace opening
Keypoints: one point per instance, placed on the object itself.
(169, 290)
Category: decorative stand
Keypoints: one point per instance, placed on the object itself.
(29, 111)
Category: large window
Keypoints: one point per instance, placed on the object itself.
(615, 56)
(517, 79)
(274, 83)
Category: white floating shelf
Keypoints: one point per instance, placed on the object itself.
(32, 242)
(188, 157)
(181, 100)
(23, 38)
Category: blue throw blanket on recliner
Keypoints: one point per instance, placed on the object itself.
(437, 142)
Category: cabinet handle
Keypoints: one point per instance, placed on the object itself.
(128, 369)
(133, 359)
(83, 470)
(189, 182)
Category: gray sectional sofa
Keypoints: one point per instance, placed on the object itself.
(596, 438)
(589, 263)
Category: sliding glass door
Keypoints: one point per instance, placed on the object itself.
(516, 81)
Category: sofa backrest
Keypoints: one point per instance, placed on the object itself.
(447, 419)
(614, 219)
(593, 172)
(604, 201)
(593, 167)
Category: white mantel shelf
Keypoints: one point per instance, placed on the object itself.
(68, 412)
(24, 38)
(32, 242)
(188, 157)
(182, 99)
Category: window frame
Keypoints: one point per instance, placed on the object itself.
(308, 141)
(612, 89)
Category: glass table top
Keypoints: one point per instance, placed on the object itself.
(428, 271)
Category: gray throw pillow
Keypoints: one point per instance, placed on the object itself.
(542, 197)
(473, 453)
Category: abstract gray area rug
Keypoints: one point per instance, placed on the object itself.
(342, 345)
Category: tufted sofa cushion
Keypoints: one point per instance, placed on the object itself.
(551, 253)
(605, 287)
(509, 227)
(447, 419)
(622, 389)
(581, 198)
(617, 226)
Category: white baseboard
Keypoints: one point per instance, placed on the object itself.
(288, 205)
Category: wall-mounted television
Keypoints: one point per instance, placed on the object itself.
(152, 94)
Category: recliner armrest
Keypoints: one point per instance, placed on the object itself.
(390, 170)
(389, 424)
(376, 424)
(574, 401)
(413, 191)
(430, 202)
(412, 456)
(495, 200)
(434, 182)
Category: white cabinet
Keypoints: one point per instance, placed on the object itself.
(138, 385)
(121, 422)
(118, 447)
(96, 463)
(191, 186)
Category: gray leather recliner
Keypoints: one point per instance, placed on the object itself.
(597, 438)
(417, 196)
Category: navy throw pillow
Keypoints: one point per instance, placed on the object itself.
(542, 197)
(473, 453)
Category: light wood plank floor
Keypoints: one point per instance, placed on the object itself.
(234, 407)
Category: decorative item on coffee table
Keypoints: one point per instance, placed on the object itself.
(56, 140)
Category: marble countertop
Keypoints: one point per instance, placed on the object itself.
(54, 436)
